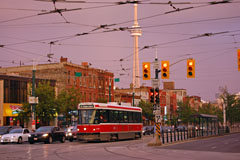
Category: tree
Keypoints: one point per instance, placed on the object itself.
(208, 108)
(185, 112)
(147, 110)
(232, 105)
(67, 101)
(46, 109)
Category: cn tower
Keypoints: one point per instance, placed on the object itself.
(135, 33)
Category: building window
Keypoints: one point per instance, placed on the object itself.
(15, 91)
(69, 77)
(75, 79)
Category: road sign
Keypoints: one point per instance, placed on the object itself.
(33, 100)
(155, 83)
(157, 118)
(157, 112)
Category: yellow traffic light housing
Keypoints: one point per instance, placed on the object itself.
(238, 59)
(146, 70)
(165, 70)
(190, 68)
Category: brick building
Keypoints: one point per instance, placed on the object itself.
(13, 93)
(94, 84)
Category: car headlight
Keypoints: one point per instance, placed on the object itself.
(45, 135)
(29, 135)
(70, 134)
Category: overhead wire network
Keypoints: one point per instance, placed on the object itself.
(108, 27)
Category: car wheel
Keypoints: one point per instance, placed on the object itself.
(50, 140)
(63, 139)
(19, 140)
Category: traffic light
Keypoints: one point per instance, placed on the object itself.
(152, 95)
(157, 95)
(190, 68)
(165, 70)
(238, 59)
(146, 70)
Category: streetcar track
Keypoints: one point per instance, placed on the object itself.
(128, 147)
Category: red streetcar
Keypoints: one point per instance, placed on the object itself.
(106, 122)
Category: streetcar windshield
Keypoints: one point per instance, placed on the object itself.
(88, 116)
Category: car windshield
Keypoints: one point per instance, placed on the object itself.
(16, 131)
(44, 129)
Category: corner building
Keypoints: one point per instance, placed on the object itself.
(94, 84)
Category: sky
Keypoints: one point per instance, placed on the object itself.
(98, 32)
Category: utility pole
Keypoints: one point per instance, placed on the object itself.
(33, 95)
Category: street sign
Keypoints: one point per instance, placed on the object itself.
(157, 118)
(157, 112)
(155, 64)
(155, 83)
(33, 100)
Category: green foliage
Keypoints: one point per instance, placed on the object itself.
(232, 105)
(208, 108)
(67, 101)
(25, 114)
(147, 109)
(46, 108)
(185, 112)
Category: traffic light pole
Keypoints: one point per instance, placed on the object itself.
(157, 110)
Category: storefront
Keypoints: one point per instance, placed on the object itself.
(10, 113)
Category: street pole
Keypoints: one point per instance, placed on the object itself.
(133, 97)
(33, 95)
(224, 116)
(155, 84)
(109, 90)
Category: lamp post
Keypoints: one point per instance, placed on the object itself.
(33, 95)
(109, 90)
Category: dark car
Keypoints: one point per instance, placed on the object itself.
(7, 129)
(47, 134)
(148, 130)
(71, 133)
(167, 129)
(181, 128)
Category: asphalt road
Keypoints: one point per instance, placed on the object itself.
(220, 148)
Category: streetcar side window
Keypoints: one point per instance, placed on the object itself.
(120, 116)
(130, 117)
(113, 116)
(103, 116)
(125, 117)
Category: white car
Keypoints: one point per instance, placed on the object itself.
(18, 135)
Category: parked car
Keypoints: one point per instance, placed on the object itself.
(71, 133)
(7, 129)
(47, 134)
(181, 128)
(17, 135)
(167, 128)
(148, 130)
